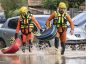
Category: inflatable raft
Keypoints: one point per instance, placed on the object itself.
(48, 34)
(13, 48)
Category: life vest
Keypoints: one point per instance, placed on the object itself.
(60, 20)
(26, 23)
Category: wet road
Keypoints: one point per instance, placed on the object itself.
(47, 56)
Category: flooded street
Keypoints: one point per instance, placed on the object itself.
(76, 61)
(44, 57)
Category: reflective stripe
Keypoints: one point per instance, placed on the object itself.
(64, 26)
(31, 26)
(24, 21)
(26, 26)
(28, 16)
(58, 14)
(27, 20)
(58, 25)
(23, 17)
(22, 26)
(61, 19)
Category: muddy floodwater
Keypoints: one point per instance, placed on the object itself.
(44, 57)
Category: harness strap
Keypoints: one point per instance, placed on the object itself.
(61, 20)
(26, 23)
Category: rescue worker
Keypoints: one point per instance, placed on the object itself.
(60, 18)
(26, 23)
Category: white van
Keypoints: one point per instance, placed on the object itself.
(79, 36)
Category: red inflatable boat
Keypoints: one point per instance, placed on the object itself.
(13, 48)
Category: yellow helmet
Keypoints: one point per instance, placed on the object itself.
(62, 5)
(23, 10)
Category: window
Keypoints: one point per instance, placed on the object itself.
(13, 23)
(2, 19)
(42, 20)
(85, 26)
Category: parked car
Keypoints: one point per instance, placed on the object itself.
(7, 30)
(80, 28)
(78, 37)
(2, 17)
(80, 20)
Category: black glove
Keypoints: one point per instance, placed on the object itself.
(55, 21)
(16, 35)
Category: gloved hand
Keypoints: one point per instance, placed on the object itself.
(72, 32)
(16, 35)
(55, 21)
(41, 30)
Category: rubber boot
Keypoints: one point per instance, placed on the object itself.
(49, 43)
(56, 42)
(63, 48)
(24, 45)
(30, 45)
(40, 44)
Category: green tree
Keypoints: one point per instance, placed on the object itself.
(75, 3)
(11, 6)
(52, 4)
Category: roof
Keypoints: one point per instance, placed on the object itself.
(80, 19)
(40, 18)
(33, 15)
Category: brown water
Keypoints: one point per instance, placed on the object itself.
(48, 56)
(37, 59)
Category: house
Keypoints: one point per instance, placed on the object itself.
(35, 7)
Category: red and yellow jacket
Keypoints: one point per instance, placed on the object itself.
(56, 14)
(20, 27)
